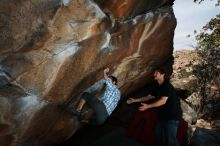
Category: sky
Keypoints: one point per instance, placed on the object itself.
(191, 16)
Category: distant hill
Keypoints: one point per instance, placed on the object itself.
(182, 68)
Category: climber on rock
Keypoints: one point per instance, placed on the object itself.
(102, 107)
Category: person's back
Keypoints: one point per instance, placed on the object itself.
(111, 95)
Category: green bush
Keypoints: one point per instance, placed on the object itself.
(183, 74)
(208, 69)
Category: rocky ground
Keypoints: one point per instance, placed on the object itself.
(182, 75)
(184, 80)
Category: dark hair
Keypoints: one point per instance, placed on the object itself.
(114, 79)
(163, 71)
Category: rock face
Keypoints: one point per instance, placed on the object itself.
(52, 50)
(189, 115)
(203, 137)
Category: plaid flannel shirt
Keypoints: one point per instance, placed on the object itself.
(111, 96)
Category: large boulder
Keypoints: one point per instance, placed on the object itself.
(204, 137)
(51, 51)
(189, 114)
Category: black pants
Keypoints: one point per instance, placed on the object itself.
(99, 108)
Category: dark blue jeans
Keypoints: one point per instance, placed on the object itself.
(99, 108)
(166, 131)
